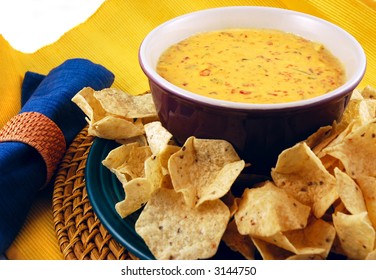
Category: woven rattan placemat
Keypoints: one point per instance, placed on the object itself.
(80, 234)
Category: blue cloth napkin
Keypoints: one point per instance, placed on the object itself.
(22, 169)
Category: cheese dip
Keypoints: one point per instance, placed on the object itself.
(251, 66)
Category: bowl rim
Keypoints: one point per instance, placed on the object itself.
(339, 92)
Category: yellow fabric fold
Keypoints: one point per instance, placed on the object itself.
(112, 37)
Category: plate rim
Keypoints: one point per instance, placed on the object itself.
(100, 149)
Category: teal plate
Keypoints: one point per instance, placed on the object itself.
(104, 191)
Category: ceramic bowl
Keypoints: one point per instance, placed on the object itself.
(259, 132)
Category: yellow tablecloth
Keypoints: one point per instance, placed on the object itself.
(112, 37)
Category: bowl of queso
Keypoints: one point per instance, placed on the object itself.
(261, 78)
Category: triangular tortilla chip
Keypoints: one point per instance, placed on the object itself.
(268, 210)
(356, 151)
(302, 175)
(173, 230)
(204, 169)
(355, 233)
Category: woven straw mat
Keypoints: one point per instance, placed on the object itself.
(80, 234)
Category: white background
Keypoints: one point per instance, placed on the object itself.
(30, 24)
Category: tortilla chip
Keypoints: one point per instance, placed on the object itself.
(328, 139)
(355, 233)
(331, 163)
(119, 103)
(308, 257)
(349, 193)
(164, 155)
(268, 210)
(91, 107)
(371, 255)
(280, 240)
(302, 175)
(369, 92)
(166, 182)
(173, 230)
(232, 202)
(137, 193)
(369, 95)
(158, 137)
(127, 161)
(368, 186)
(204, 169)
(116, 157)
(322, 135)
(355, 150)
(269, 251)
(112, 128)
(356, 109)
(153, 171)
(140, 139)
(239, 243)
(133, 165)
(316, 239)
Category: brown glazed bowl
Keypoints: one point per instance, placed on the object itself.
(259, 132)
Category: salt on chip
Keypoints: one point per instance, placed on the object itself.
(137, 193)
(158, 137)
(349, 193)
(173, 230)
(302, 175)
(120, 103)
(356, 150)
(368, 186)
(355, 233)
(204, 169)
(267, 210)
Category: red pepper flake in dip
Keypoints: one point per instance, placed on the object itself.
(252, 66)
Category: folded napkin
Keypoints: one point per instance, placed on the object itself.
(33, 142)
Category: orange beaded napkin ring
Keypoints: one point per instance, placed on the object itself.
(41, 133)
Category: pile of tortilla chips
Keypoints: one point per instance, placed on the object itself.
(320, 201)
